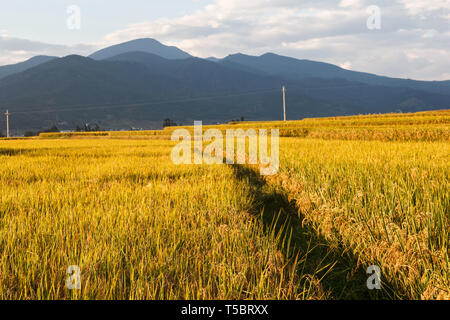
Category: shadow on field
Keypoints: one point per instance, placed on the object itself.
(341, 278)
(19, 152)
(10, 152)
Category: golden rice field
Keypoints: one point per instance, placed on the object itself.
(351, 192)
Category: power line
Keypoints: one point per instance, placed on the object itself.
(125, 104)
(81, 107)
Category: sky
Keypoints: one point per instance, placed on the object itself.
(397, 38)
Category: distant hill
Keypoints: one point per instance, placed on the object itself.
(78, 84)
(144, 45)
(213, 59)
(78, 80)
(202, 76)
(296, 69)
(22, 66)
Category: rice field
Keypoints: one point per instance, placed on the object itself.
(388, 203)
(351, 192)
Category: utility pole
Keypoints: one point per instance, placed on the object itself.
(7, 123)
(284, 102)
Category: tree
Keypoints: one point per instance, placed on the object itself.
(52, 129)
(169, 123)
(87, 127)
(30, 134)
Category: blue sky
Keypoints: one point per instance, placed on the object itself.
(45, 20)
(412, 39)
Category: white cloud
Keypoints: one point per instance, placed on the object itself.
(350, 3)
(346, 65)
(422, 7)
(324, 30)
(14, 50)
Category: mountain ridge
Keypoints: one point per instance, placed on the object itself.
(143, 45)
(141, 89)
(23, 66)
(264, 63)
(293, 68)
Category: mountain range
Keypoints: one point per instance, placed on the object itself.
(142, 82)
